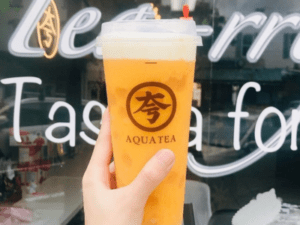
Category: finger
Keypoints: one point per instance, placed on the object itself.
(153, 173)
(102, 153)
(99, 164)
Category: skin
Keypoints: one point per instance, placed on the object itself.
(104, 203)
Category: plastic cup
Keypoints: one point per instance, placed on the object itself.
(149, 71)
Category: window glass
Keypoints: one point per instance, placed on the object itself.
(246, 86)
(95, 115)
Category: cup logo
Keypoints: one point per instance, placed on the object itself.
(151, 106)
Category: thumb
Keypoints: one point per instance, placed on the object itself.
(153, 173)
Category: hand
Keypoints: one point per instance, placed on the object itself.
(106, 205)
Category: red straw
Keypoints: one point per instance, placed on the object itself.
(186, 12)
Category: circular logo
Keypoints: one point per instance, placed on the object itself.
(48, 31)
(151, 106)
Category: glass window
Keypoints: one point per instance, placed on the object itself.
(242, 98)
(33, 114)
(288, 40)
(62, 115)
(95, 115)
(247, 42)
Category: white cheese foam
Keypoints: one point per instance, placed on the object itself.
(143, 35)
(148, 45)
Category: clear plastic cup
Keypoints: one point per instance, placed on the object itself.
(149, 71)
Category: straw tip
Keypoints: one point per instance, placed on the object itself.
(186, 11)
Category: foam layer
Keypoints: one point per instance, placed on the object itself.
(133, 36)
(147, 45)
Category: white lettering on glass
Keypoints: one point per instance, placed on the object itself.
(271, 145)
(83, 21)
(198, 130)
(238, 165)
(86, 19)
(236, 23)
(71, 125)
(274, 25)
(19, 81)
(19, 42)
(238, 114)
(88, 123)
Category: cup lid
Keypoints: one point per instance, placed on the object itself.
(148, 28)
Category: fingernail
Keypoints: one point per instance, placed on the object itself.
(166, 157)
(112, 167)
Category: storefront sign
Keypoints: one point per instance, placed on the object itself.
(290, 126)
(82, 22)
(86, 19)
(273, 144)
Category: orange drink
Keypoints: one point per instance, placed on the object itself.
(149, 77)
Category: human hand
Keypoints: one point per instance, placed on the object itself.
(106, 205)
